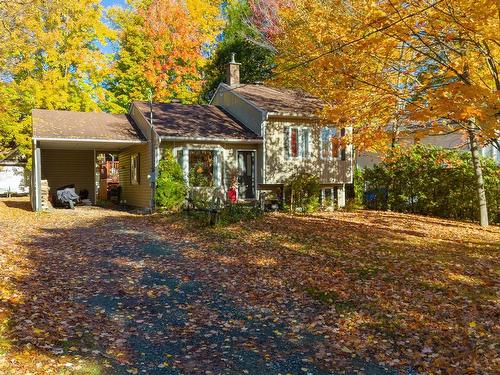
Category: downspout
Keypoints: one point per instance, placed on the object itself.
(153, 154)
(264, 158)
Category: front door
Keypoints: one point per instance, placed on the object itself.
(246, 174)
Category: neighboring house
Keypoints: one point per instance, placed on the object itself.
(14, 178)
(250, 136)
(455, 141)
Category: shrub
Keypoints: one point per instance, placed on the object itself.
(205, 214)
(170, 186)
(431, 181)
(302, 192)
(234, 213)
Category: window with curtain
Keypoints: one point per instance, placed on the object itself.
(297, 142)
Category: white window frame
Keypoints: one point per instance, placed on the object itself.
(330, 149)
(135, 160)
(302, 154)
(218, 164)
(337, 132)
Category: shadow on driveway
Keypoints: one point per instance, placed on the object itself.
(117, 292)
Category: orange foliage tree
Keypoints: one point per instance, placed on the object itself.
(178, 32)
(163, 46)
(396, 66)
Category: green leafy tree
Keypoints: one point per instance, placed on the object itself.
(128, 81)
(241, 38)
(170, 185)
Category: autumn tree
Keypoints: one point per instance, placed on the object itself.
(163, 47)
(397, 66)
(49, 58)
(242, 38)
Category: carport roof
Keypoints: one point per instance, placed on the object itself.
(98, 126)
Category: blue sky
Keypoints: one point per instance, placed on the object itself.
(108, 3)
(111, 47)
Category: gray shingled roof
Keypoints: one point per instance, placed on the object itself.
(279, 100)
(195, 121)
(84, 125)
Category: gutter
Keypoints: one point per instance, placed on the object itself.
(207, 139)
(90, 140)
(293, 115)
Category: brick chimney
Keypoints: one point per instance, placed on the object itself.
(233, 72)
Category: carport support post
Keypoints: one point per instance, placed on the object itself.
(341, 196)
(36, 176)
(94, 195)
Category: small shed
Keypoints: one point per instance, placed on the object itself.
(14, 176)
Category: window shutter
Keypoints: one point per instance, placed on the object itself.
(307, 142)
(286, 142)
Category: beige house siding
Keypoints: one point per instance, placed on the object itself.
(139, 195)
(239, 108)
(279, 167)
(65, 167)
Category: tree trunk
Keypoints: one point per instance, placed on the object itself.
(483, 208)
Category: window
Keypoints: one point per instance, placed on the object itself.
(326, 136)
(328, 197)
(201, 168)
(297, 141)
(134, 169)
(332, 146)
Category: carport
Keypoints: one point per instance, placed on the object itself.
(65, 145)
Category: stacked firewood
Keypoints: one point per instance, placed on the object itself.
(44, 190)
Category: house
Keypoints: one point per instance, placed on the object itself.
(251, 136)
(454, 141)
(14, 177)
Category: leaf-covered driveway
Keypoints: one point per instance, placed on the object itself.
(100, 291)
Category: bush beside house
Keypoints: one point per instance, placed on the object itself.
(171, 189)
(302, 192)
(431, 181)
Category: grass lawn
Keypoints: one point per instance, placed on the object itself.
(400, 291)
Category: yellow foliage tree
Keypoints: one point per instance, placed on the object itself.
(49, 58)
(395, 66)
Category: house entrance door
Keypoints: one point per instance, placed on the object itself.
(246, 174)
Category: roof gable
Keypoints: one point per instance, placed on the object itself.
(279, 101)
